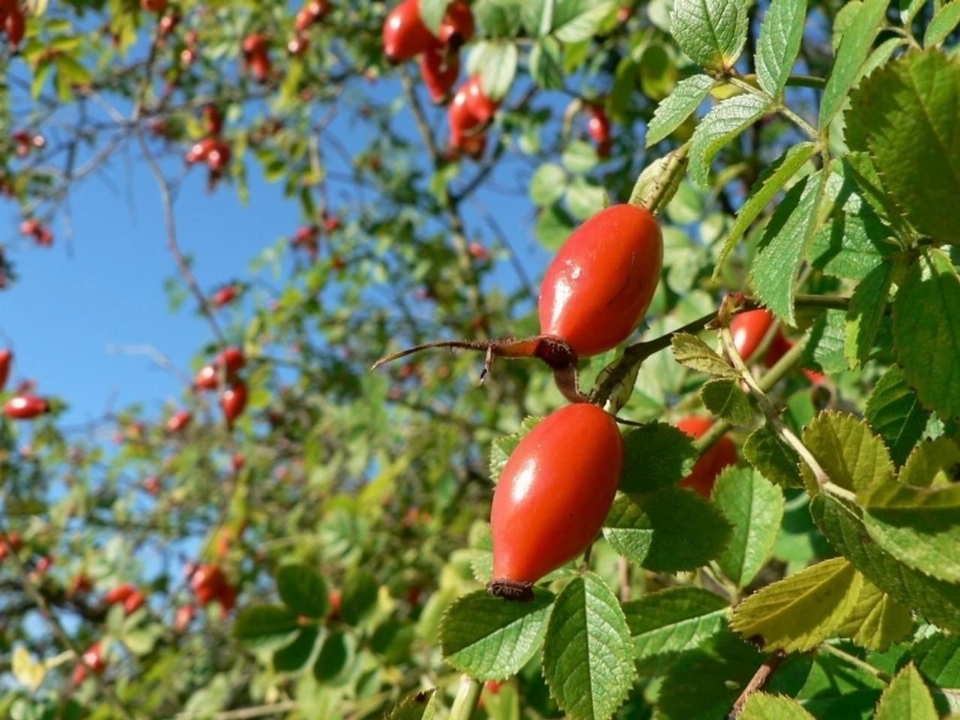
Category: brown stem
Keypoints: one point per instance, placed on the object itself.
(758, 680)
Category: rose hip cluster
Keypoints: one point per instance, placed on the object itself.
(405, 36)
(559, 483)
(212, 149)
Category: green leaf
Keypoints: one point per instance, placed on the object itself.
(553, 227)
(656, 456)
(852, 53)
(579, 157)
(801, 611)
(693, 352)
(416, 706)
(673, 621)
(761, 706)
(783, 246)
(843, 527)
(907, 112)
(334, 659)
(917, 518)
(854, 242)
(721, 125)
(358, 597)
(491, 639)
(545, 67)
(926, 332)
(548, 184)
(653, 530)
(587, 651)
(500, 18)
(867, 308)
(294, 656)
(302, 590)
(877, 620)
(779, 43)
(578, 20)
(938, 658)
(772, 457)
(754, 508)
(674, 109)
(726, 399)
(265, 626)
(826, 342)
(497, 64)
(585, 198)
(711, 32)
(432, 12)
(907, 697)
(944, 22)
(773, 178)
(851, 455)
(895, 412)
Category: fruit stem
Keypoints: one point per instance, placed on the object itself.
(468, 695)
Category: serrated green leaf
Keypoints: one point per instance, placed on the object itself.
(917, 519)
(762, 706)
(721, 125)
(938, 658)
(773, 178)
(491, 639)
(906, 111)
(656, 456)
(851, 455)
(553, 227)
(843, 527)
(693, 352)
(779, 43)
(854, 241)
(587, 650)
(926, 332)
(826, 341)
(754, 508)
(877, 620)
(416, 706)
(907, 697)
(772, 457)
(868, 304)
(726, 399)
(294, 656)
(302, 590)
(711, 32)
(944, 22)
(548, 184)
(895, 412)
(653, 530)
(830, 687)
(578, 20)
(854, 48)
(801, 611)
(500, 18)
(265, 626)
(674, 109)
(674, 620)
(783, 246)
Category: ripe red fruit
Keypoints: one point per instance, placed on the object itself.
(469, 113)
(310, 14)
(595, 293)
(218, 156)
(213, 119)
(6, 360)
(156, 6)
(231, 359)
(210, 584)
(404, 34)
(598, 127)
(178, 421)
(254, 44)
(183, 618)
(13, 543)
(709, 465)
(298, 45)
(233, 401)
(440, 71)
(457, 26)
(553, 495)
(200, 150)
(749, 329)
(778, 348)
(225, 295)
(25, 407)
(92, 660)
(134, 602)
(152, 485)
(16, 26)
(119, 594)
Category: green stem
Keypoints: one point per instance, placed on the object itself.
(467, 698)
(778, 105)
(658, 182)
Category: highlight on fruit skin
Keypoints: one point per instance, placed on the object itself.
(594, 295)
(552, 497)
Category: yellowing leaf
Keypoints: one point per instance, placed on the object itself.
(799, 612)
(846, 448)
(907, 697)
(26, 670)
(877, 620)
